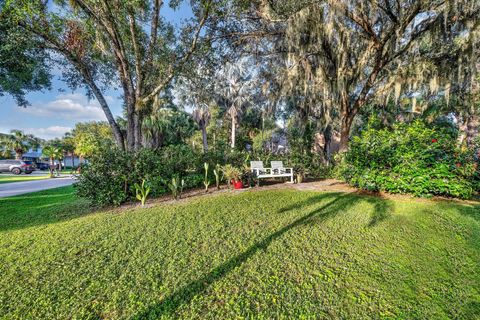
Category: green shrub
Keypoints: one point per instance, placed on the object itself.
(410, 158)
(106, 180)
(193, 180)
(309, 165)
(110, 176)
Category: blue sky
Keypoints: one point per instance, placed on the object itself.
(54, 112)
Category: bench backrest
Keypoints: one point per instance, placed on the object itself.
(277, 164)
(256, 164)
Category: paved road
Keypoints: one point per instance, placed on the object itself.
(16, 188)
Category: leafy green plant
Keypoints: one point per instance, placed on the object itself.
(218, 175)
(110, 175)
(142, 191)
(231, 173)
(176, 187)
(308, 164)
(415, 158)
(105, 180)
(247, 176)
(193, 180)
(206, 181)
(52, 153)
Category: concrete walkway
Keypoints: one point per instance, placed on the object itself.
(17, 188)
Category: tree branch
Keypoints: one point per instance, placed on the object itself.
(136, 49)
(182, 61)
(154, 30)
(84, 71)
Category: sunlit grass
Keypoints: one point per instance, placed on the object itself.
(9, 179)
(259, 254)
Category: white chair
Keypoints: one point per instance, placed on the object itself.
(258, 170)
(278, 170)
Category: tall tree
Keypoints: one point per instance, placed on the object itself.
(196, 89)
(91, 137)
(202, 117)
(167, 126)
(131, 39)
(53, 153)
(23, 66)
(345, 54)
(235, 82)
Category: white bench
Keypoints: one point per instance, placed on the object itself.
(277, 170)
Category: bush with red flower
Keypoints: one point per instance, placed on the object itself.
(416, 158)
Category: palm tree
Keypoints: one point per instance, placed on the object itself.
(19, 142)
(238, 83)
(202, 117)
(166, 126)
(52, 153)
(5, 153)
(235, 111)
(155, 126)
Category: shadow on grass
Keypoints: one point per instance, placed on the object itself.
(338, 203)
(382, 209)
(40, 208)
(470, 210)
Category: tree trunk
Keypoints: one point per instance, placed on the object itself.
(117, 133)
(131, 127)
(347, 120)
(327, 148)
(233, 132)
(18, 155)
(204, 138)
(51, 169)
(73, 160)
(263, 131)
(137, 131)
(473, 122)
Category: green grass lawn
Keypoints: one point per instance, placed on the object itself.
(20, 178)
(261, 254)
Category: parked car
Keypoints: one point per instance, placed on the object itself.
(17, 166)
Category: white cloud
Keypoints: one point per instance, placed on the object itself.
(46, 133)
(49, 132)
(73, 106)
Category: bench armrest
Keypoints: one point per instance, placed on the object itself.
(283, 170)
(259, 171)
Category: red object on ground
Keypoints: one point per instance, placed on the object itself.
(237, 184)
(434, 140)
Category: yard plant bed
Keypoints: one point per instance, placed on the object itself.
(257, 254)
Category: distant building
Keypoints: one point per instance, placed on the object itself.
(33, 155)
(67, 161)
(36, 156)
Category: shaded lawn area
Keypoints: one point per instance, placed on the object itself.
(40, 208)
(20, 178)
(260, 254)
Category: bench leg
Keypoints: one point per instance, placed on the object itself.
(291, 178)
